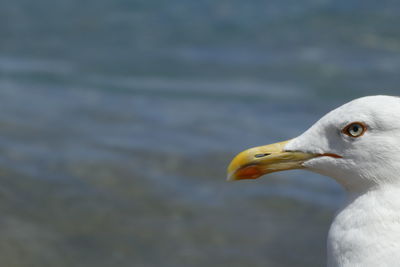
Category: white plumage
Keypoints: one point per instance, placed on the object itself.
(358, 145)
(366, 231)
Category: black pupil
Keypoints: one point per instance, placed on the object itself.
(356, 128)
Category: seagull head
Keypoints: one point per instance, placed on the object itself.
(357, 144)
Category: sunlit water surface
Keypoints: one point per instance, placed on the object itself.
(118, 119)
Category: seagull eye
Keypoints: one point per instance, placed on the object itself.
(355, 129)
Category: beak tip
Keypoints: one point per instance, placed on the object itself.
(231, 177)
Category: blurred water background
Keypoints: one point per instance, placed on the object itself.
(118, 119)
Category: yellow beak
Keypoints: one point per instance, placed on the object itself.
(257, 161)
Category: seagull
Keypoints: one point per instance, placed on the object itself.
(358, 145)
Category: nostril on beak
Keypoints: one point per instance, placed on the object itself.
(262, 155)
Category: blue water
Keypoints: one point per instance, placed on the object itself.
(118, 119)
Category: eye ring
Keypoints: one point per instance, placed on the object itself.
(355, 129)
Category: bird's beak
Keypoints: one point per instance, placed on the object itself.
(255, 162)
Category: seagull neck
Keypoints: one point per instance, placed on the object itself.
(365, 232)
(377, 193)
(370, 189)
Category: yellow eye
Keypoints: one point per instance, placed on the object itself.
(355, 129)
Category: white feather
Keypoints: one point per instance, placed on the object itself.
(366, 231)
